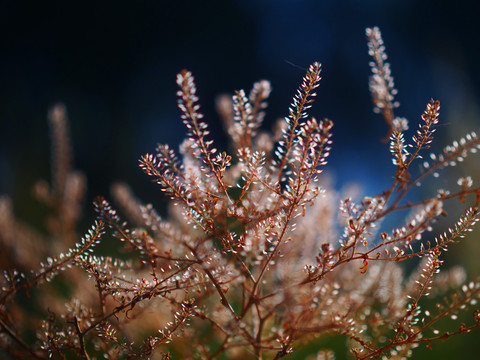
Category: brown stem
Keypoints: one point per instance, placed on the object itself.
(19, 340)
(81, 338)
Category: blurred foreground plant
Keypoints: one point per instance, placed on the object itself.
(256, 258)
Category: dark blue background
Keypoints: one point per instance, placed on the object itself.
(114, 63)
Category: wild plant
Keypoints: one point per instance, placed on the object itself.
(258, 255)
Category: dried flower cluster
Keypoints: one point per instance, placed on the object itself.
(257, 257)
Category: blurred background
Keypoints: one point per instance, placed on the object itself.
(113, 64)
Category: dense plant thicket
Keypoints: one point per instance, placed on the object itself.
(258, 255)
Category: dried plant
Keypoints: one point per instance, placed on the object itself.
(256, 258)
